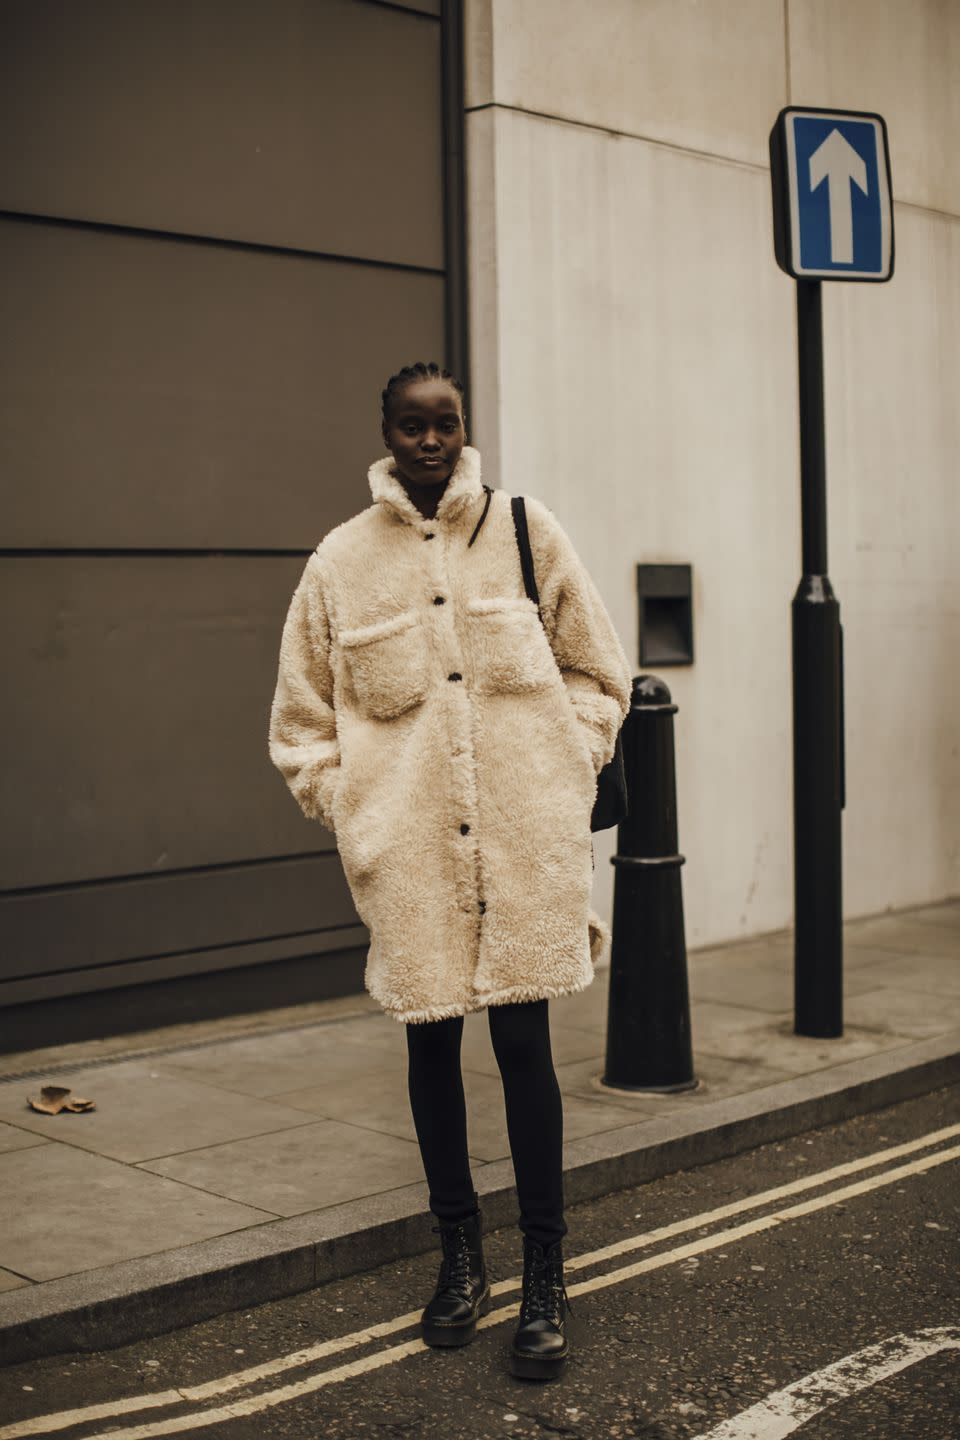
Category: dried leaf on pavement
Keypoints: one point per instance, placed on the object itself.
(54, 1098)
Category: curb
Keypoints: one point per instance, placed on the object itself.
(136, 1299)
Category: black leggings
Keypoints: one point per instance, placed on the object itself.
(520, 1034)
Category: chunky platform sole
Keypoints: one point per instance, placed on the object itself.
(434, 1334)
(537, 1367)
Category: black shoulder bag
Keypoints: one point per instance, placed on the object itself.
(611, 805)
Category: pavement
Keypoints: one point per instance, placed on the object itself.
(236, 1161)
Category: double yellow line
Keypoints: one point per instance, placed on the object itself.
(725, 1235)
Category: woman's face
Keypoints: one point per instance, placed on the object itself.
(425, 432)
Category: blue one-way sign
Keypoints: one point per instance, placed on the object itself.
(833, 218)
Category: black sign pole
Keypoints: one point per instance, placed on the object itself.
(818, 781)
(847, 146)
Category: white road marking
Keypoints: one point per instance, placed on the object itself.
(754, 1227)
(47, 1424)
(763, 1197)
(44, 1425)
(786, 1410)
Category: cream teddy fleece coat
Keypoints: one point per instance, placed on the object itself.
(452, 742)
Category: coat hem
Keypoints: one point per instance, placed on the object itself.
(482, 1000)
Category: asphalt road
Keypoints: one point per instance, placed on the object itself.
(838, 1319)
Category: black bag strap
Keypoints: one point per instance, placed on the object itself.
(519, 511)
(486, 507)
(523, 544)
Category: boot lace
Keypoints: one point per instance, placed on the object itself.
(455, 1265)
(544, 1293)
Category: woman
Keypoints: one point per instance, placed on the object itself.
(451, 741)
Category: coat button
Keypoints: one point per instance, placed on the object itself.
(455, 676)
(429, 535)
(464, 829)
(438, 599)
(483, 906)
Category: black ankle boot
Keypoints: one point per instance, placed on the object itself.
(463, 1291)
(540, 1347)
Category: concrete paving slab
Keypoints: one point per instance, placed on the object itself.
(906, 936)
(13, 1138)
(903, 1012)
(377, 1099)
(778, 940)
(9, 1281)
(374, 1030)
(861, 955)
(266, 1065)
(929, 974)
(735, 1033)
(716, 1078)
(143, 1113)
(63, 1210)
(945, 917)
(385, 1108)
(289, 1173)
(760, 980)
(189, 1033)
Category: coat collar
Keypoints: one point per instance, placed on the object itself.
(463, 487)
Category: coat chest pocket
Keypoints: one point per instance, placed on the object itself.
(387, 663)
(510, 650)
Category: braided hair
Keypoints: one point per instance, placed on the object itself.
(420, 370)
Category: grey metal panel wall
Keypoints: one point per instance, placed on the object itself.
(227, 118)
(139, 719)
(185, 410)
(426, 7)
(157, 392)
(229, 907)
(226, 907)
(334, 953)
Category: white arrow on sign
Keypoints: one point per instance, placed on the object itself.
(838, 163)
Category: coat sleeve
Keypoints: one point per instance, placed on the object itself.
(587, 648)
(303, 729)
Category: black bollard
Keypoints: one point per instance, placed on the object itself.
(648, 1009)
